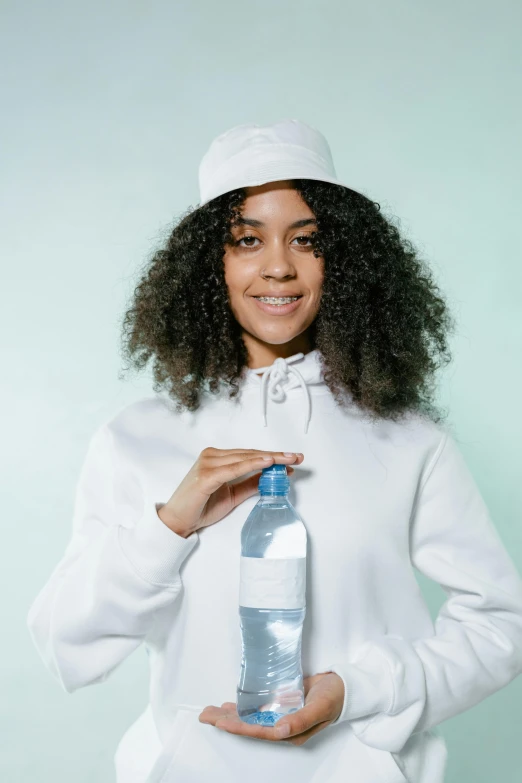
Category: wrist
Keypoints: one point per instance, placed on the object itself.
(172, 522)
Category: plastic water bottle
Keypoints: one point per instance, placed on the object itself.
(272, 604)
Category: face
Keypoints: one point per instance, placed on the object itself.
(272, 257)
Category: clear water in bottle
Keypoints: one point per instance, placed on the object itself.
(272, 604)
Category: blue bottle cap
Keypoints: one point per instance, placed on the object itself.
(274, 480)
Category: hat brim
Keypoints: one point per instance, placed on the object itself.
(265, 176)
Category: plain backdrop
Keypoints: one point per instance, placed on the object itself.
(107, 108)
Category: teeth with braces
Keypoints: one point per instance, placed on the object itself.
(277, 299)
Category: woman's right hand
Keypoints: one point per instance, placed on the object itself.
(205, 496)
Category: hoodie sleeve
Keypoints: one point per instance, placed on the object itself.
(396, 687)
(100, 601)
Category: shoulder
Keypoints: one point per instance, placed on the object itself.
(415, 434)
(147, 417)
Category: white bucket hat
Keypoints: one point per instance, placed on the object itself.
(251, 154)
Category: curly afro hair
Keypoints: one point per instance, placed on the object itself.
(381, 326)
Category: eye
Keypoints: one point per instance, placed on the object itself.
(251, 236)
(305, 236)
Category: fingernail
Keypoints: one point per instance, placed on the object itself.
(283, 730)
(289, 453)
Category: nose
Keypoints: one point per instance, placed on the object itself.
(277, 262)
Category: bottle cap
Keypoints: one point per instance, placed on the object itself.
(274, 480)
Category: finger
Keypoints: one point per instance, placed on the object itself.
(234, 725)
(300, 739)
(212, 453)
(304, 719)
(213, 477)
(253, 458)
(227, 719)
(212, 713)
(311, 680)
(242, 490)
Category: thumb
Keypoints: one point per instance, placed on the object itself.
(242, 490)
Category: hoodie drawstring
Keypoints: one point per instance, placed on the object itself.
(271, 383)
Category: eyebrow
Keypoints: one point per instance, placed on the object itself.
(245, 221)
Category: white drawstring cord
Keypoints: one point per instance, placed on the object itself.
(271, 384)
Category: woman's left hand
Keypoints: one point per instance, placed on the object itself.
(324, 698)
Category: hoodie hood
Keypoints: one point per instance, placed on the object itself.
(301, 369)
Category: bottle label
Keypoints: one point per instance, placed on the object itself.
(272, 583)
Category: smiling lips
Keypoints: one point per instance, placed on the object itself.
(276, 309)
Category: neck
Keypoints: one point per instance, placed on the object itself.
(261, 354)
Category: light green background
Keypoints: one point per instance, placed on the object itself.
(107, 108)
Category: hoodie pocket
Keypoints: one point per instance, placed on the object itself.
(198, 752)
(423, 757)
(390, 770)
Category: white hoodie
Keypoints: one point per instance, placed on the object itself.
(377, 499)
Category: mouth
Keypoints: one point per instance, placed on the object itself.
(278, 309)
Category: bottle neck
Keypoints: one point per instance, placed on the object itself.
(273, 497)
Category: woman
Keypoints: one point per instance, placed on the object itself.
(341, 377)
